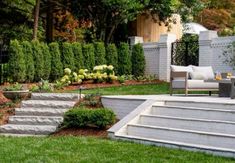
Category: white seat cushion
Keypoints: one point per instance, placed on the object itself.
(175, 68)
(206, 72)
(194, 84)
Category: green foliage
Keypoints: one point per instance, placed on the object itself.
(138, 60)
(124, 59)
(67, 57)
(14, 87)
(80, 117)
(56, 65)
(112, 55)
(42, 86)
(29, 61)
(16, 62)
(47, 61)
(88, 56)
(99, 53)
(38, 60)
(78, 57)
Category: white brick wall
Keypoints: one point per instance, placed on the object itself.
(211, 49)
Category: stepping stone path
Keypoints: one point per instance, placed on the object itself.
(41, 115)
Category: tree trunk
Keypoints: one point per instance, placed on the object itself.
(36, 16)
(49, 22)
(108, 39)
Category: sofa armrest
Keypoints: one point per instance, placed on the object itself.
(179, 74)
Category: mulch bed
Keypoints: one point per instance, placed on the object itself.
(106, 85)
(82, 132)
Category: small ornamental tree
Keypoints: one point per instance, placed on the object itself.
(67, 57)
(38, 60)
(47, 61)
(78, 57)
(16, 62)
(88, 56)
(29, 61)
(124, 59)
(56, 65)
(138, 60)
(99, 53)
(112, 55)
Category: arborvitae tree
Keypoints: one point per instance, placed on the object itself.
(47, 61)
(29, 62)
(67, 56)
(88, 56)
(124, 59)
(16, 62)
(56, 64)
(38, 60)
(99, 53)
(78, 57)
(138, 60)
(112, 55)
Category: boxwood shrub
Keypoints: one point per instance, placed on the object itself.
(81, 117)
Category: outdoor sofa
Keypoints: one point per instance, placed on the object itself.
(192, 78)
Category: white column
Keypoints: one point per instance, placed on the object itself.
(205, 50)
(165, 55)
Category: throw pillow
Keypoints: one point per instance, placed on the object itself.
(207, 71)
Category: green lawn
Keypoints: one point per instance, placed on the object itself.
(88, 149)
(148, 89)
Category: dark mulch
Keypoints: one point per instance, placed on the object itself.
(82, 132)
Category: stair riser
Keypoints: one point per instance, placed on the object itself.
(59, 97)
(201, 139)
(34, 113)
(224, 128)
(201, 105)
(45, 105)
(35, 121)
(202, 114)
(34, 131)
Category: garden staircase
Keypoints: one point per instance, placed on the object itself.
(41, 115)
(208, 127)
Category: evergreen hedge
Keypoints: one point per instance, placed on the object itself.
(56, 65)
(67, 57)
(47, 61)
(29, 61)
(38, 60)
(138, 60)
(124, 59)
(88, 56)
(17, 66)
(112, 55)
(99, 53)
(78, 57)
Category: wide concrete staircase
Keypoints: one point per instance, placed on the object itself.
(41, 115)
(209, 127)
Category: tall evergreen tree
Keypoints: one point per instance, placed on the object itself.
(112, 55)
(47, 61)
(138, 60)
(99, 53)
(89, 56)
(29, 61)
(124, 59)
(16, 62)
(67, 56)
(78, 56)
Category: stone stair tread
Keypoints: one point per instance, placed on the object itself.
(184, 130)
(55, 96)
(40, 112)
(175, 143)
(48, 103)
(188, 119)
(195, 108)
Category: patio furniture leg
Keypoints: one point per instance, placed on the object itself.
(186, 92)
(232, 93)
(209, 93)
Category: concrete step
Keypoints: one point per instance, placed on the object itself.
(47, 104)
(174, 144)
(55, 96)
(225, 127)
(193, 112)
(184, 136)
(20, 135)
(36, 120)
(40, 112)
(202, 104)
(27, 129)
